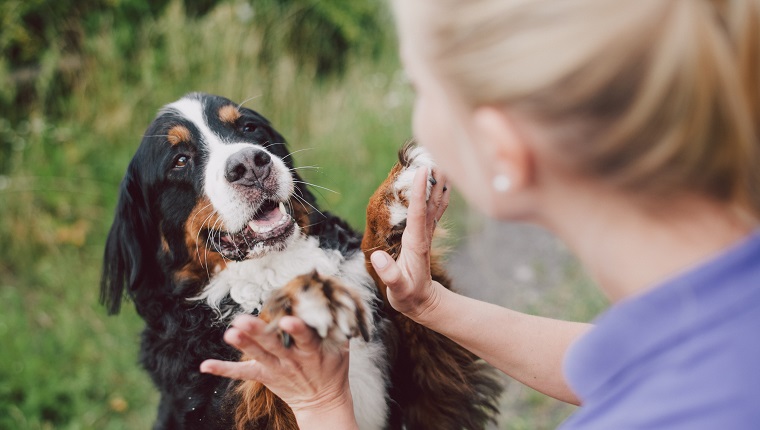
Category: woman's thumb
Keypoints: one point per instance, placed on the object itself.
(386, 269)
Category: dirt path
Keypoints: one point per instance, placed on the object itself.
(524, 268)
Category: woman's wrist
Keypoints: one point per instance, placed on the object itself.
(327, 413)
(429, 313)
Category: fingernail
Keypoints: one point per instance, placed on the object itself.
(379, 260)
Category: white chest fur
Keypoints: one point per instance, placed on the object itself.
(250, 282)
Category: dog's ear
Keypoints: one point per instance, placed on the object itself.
(129, 243)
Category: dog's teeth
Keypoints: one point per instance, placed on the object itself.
(285, 217)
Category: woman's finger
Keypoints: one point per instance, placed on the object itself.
(241, 340)
(262, 335)
(388, 271)
(304, 337)
(248, 370)
(415, 235)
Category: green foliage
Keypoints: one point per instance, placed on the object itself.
(321, 34)
(46, 45)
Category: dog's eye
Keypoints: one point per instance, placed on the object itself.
(248, 127)
(181, 161)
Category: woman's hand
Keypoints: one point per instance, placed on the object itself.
(312, 380)
(411, 289)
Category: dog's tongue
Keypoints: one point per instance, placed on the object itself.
(268, 218)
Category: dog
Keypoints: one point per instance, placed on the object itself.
(213, 220)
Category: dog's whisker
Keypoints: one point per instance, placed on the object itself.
(198, 234)
(295, 152)
(316, 186)
(211, 241)
(209, 238)
(217, 247)
(208, 245)
(302, 200)
(248, 99)
(293, 169)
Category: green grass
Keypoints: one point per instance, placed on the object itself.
(64, 364)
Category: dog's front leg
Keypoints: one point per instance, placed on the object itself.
(334, 311)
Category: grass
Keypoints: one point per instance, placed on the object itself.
(64, 364)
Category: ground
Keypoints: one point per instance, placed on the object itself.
(525, 268)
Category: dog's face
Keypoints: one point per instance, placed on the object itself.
(210, 183)
(235, 162)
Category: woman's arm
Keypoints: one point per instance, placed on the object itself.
(526, 347)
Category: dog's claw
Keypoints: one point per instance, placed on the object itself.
(287, 341)
(363, 330)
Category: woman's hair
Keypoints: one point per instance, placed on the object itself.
(654, 96)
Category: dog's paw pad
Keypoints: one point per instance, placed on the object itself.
(334, 311)
(411, 158)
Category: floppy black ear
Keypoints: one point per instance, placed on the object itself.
(129, 242)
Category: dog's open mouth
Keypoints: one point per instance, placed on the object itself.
(269, 227)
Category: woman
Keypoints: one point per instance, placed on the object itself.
(630, 130)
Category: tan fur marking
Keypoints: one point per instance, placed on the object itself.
(229, 114)
(203, 261)
(261, 409)
(178, 134)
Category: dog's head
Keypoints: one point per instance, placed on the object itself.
(210, 183)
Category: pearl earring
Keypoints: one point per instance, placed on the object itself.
(501, 183)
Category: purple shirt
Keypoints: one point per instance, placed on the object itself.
(685, 355)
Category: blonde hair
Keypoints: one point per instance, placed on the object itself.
(654, 96)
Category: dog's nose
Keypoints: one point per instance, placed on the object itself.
(248, 167)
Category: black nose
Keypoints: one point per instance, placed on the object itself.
(248, 167)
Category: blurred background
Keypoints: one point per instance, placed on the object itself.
(80, 82)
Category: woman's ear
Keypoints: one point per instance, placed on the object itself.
(507, 153)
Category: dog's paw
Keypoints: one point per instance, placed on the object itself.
(410, 158)
(388, 207)
(333, 310)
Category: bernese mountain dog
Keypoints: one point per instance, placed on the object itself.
(213, 220)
